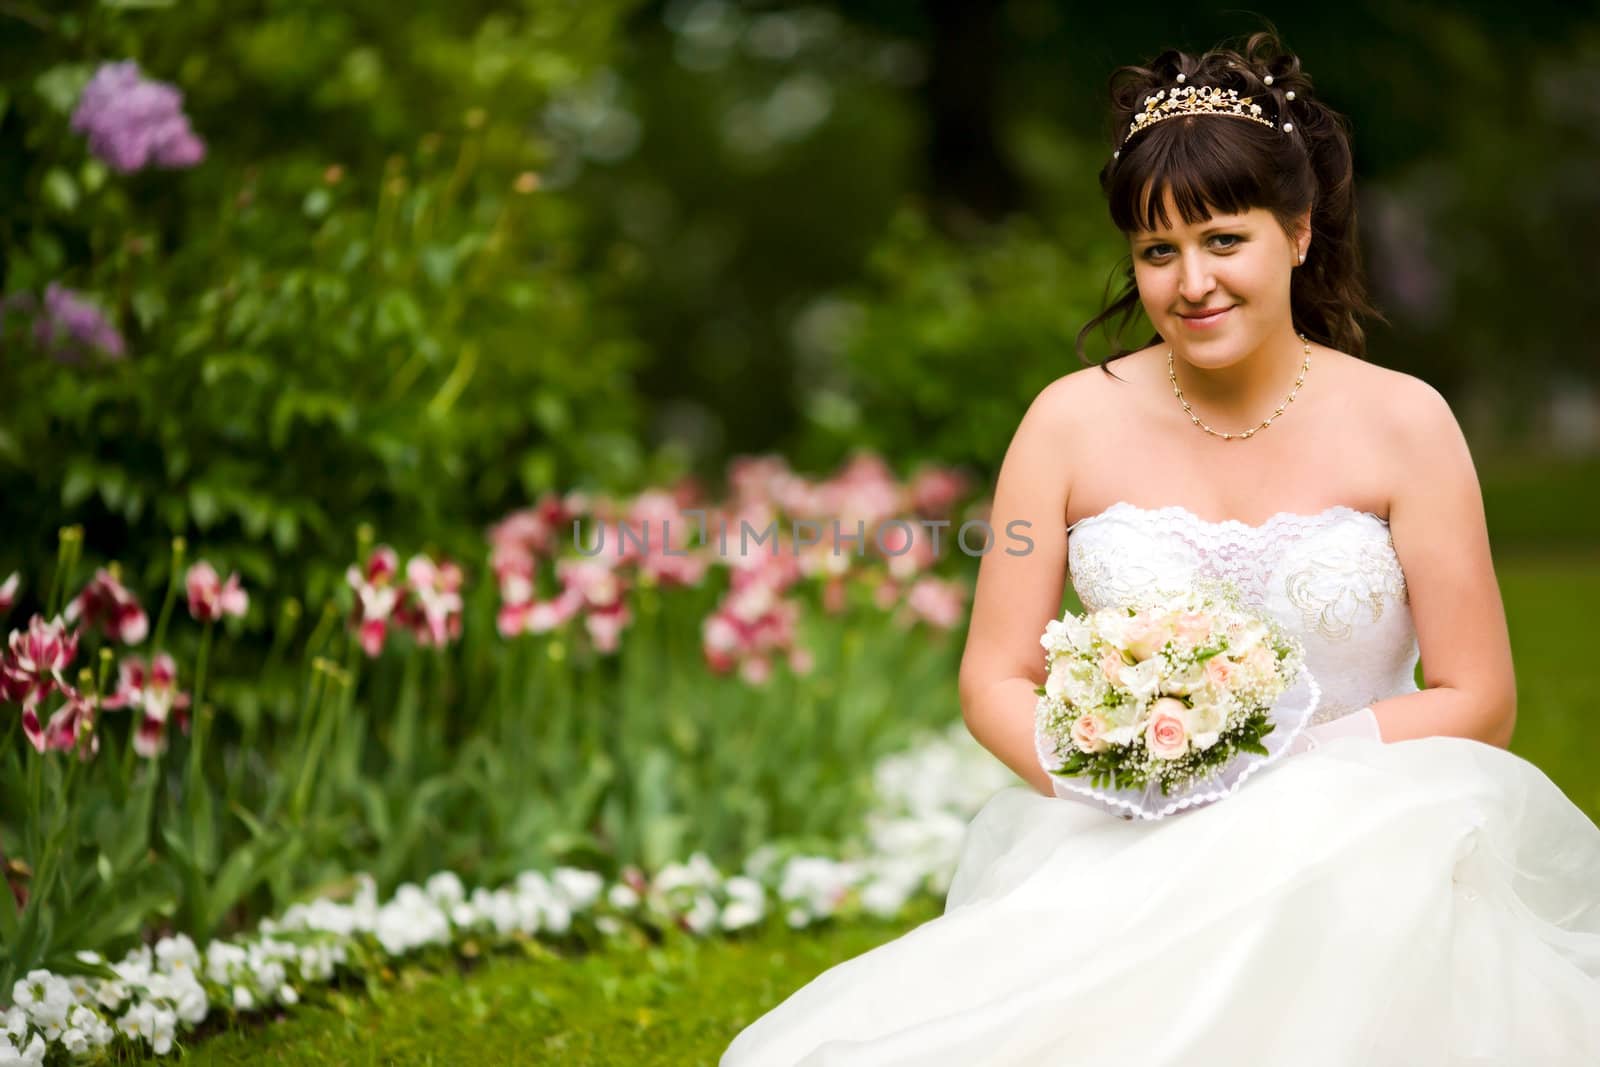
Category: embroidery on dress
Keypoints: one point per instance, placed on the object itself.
(1331, 592)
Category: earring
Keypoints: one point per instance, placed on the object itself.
(1302, 257)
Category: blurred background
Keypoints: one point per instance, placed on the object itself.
(430, 266)
(292, 281)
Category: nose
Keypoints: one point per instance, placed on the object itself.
(1195, 280)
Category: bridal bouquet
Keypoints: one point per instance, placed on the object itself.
(1178, 695)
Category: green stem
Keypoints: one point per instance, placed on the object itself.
(311, 755)
(179, 549)
(405, 734)
(197, 734)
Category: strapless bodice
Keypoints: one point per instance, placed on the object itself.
(1332, 579)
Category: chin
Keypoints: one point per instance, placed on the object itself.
(1211, 353)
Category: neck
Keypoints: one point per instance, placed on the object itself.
(1245, 392)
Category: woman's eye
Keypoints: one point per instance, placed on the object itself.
(1227, 240)
(1155, 252)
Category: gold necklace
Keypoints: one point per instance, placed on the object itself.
(1172, 376)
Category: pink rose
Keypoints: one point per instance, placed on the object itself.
(1165, 735)
(1088, 731)
(1262, 664)
(1220, 671)
(1111, 664)
(1145, 635)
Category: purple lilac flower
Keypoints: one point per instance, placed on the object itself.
(133, 122)
(68, 326)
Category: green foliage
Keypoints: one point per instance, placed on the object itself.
(386, 320)
(950, 339)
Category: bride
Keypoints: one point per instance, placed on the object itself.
(1398, 889)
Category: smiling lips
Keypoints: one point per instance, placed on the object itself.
(1205, 319)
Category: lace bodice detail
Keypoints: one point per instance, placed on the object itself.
(1332, 579)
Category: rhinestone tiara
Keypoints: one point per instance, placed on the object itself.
(1183, 100)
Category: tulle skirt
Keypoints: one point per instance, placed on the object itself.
(1421, 903)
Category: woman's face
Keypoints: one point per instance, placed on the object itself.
(1217, 290)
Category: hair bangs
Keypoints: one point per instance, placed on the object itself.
(1207, 165)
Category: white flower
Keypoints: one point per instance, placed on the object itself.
(1142, 680)
(886, 897)
(702, 915)
(138, 1022)
(30, 1055)
(622, 897)
(177, 953)
(581, 888)
(163, 1028)
(1205, 722)
(446, 889)
(738, 914)
(75, 1041)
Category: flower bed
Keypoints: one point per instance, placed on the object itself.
(152, 995)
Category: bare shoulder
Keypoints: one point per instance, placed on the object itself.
(1399, 409)
(1085, 393)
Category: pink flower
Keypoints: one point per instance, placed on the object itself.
(209, 598)
(1145, 635)
(935, 490)
(150, 691)
(1165, 736)
(605, 627)
(750, 626)
(376, 596)
(105, 603)
(134, 122)
(150, 738)
(656, 516)
(38, 656)
(939, 603)
(1220, 671)
(8, 593)
(539, 616)
(1111, 664)
(72, 722)
(594, 579)
(431, 606)
(1088, 732)
(150, 688)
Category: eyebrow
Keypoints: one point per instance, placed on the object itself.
(1216, 227)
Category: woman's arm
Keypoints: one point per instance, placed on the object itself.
(1437, 521)
(1020, 582)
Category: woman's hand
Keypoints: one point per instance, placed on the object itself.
(1361, 723)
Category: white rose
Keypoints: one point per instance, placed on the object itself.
(1204, 720)
(1143, 680)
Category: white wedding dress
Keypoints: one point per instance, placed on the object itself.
(1420, 903)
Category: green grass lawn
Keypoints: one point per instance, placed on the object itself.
(676, 1005)
(680, 1004)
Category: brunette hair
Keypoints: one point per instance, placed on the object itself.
(1225, 164)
